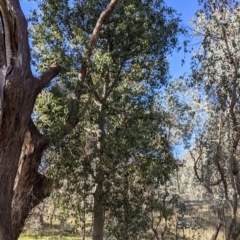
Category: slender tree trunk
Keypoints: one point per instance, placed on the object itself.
(98, 215)
(219, 224)
(155, 234)
(237, 232)
(126, 202)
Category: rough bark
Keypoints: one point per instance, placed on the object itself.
(20, 90)
(31, 187)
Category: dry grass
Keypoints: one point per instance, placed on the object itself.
(201, 217)
(29, 236)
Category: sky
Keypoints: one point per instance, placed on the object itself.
(186, 8)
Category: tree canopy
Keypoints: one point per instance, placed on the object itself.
(108, 136)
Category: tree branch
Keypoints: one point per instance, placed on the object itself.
(84, 68)
(48, 75)
(99, 24)
(95, 36)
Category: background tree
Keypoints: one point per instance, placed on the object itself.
(216, 75)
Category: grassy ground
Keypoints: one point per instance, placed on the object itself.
(40, 226)
(202, 217)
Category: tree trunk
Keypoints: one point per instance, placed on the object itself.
(219, 224)
(98, 211)
(98, 208)
(19, 90)
(126, 203)
(28, 194)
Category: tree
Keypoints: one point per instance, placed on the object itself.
(21, 144)
(107, 134)
(19, 89)
(216, 73)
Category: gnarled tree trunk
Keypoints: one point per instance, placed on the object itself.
(19, 90)
(31, 187)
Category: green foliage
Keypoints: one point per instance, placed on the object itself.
(108, 131)
(215, 74)
(217, 78)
